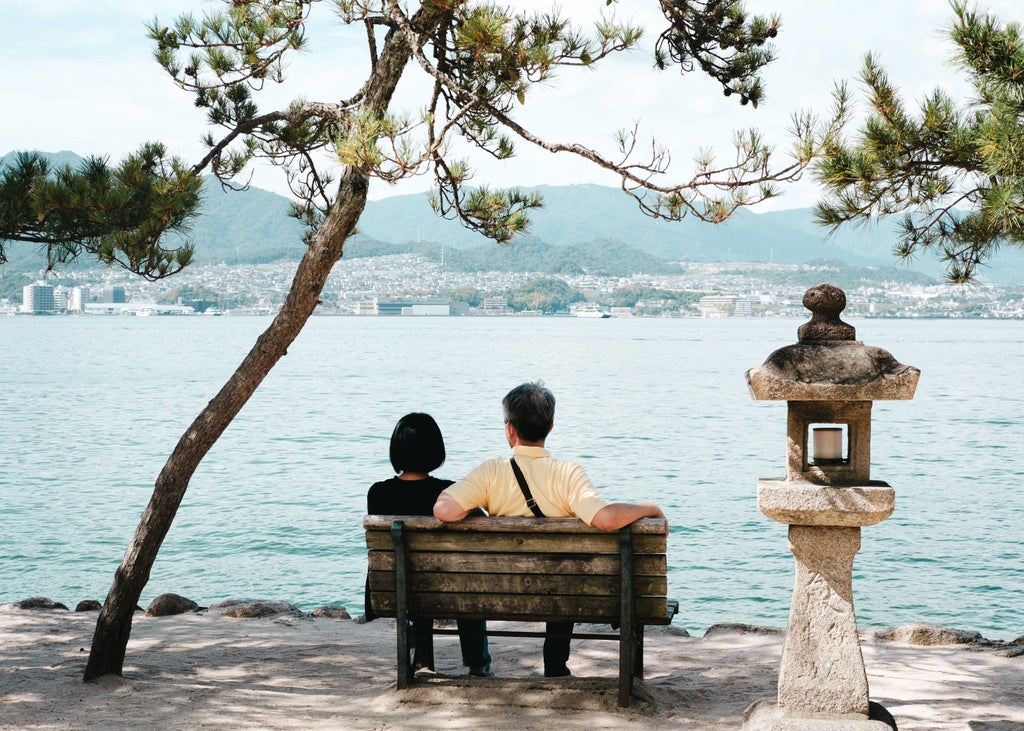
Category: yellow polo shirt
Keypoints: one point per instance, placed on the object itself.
(560, 487)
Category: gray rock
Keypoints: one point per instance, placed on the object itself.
(88, 605)
(249, 608)
(168, 604)
(744, 629)
(674, 630)
(334, 612)
(35, 603)
(926, 634)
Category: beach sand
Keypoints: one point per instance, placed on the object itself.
(206, 670)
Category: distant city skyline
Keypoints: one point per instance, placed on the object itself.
(80, 77)
(391, 284)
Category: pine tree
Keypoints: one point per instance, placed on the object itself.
(480, 62)
(953, 170)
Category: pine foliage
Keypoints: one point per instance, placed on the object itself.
(118, 215)
(482, 62)
(952, 169)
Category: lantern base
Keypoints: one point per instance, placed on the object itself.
(765, 715)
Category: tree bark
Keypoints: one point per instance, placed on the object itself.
(113, 628)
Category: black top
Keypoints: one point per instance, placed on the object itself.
(404, 497)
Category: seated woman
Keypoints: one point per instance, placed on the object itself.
(417, 449)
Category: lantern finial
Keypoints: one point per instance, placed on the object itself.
(825, 303)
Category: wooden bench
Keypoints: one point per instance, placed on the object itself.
(523, 570)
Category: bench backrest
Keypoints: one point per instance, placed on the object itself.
(528, 569)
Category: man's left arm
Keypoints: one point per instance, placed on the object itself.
(617, 515)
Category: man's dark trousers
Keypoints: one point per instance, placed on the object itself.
(556, 648)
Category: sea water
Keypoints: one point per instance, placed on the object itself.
(655, 409)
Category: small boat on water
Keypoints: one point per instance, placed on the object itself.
(592, 312)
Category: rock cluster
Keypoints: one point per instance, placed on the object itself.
(249, 608)
(167, 605)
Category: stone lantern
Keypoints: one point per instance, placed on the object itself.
(829, 381)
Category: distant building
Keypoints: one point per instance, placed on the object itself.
(79, 296)
(723, 306)
(495, 306)
(198, 305)
(112, 294)
(37, 299)
(407, 306)
(743, 307)
(61, 298)
(423, 310)
(104, 308)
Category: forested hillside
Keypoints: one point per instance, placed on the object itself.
(582, 228)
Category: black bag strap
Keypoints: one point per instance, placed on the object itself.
(521, 479)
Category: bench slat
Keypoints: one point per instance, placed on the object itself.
(651, 564)
(522, 608)
(520, 583)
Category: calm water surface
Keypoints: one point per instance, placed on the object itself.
(654, 409)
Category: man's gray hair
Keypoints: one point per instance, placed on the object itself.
(530, 409)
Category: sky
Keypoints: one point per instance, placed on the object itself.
(80, 76)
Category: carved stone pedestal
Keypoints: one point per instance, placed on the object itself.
(822, 681)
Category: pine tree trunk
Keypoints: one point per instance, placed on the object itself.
(115, 620)
(113, 628)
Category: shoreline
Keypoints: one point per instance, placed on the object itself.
(171, 604)
(296, 670)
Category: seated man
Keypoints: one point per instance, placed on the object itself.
(535, 483)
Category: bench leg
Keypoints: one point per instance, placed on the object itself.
(638, 658)
(627, 650)
(404, 666)
(402, 600)
(627, 625)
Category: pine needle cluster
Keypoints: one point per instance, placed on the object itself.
(952, 169)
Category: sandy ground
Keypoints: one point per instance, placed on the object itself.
(297, 672)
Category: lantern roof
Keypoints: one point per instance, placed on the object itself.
(828, 363)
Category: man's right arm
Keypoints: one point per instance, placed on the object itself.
(471, 491)
(448, 509)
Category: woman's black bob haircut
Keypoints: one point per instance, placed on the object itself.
(417, 444)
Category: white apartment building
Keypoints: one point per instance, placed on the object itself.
(37, 298)
(79, 296)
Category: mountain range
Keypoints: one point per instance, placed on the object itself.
(590, 225)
